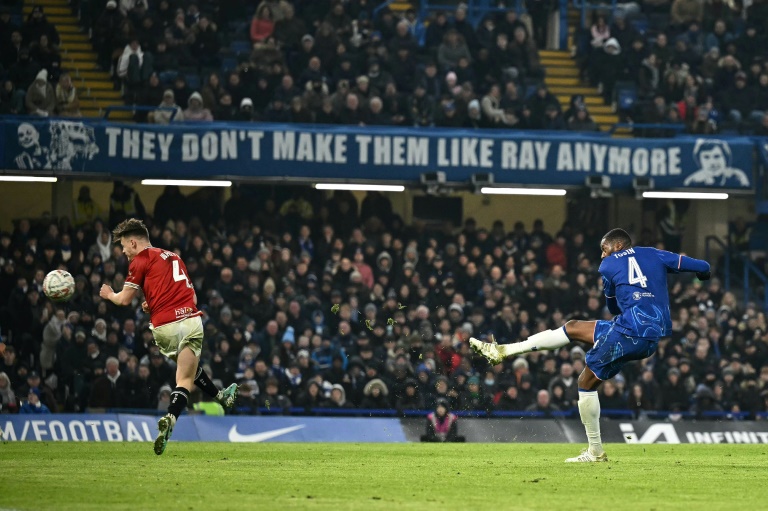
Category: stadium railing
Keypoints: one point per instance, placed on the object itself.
(476, 9)
(587, 8)
(138, 108)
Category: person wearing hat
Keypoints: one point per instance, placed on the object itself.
(195, 110)
(376, 395)
(44, 392)
(168, 111)
(738, 98)
(33, 405)
(474, 397)
(37, 25)
(41, 98)
(442, 425)
(411, 399)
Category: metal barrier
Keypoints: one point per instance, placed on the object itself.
(751, 269)
(138, 108)
(476, 9)
(380, 8)
(586, 7)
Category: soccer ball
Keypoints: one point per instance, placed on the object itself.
(59, 286)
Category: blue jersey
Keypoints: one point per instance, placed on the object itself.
(635, 284)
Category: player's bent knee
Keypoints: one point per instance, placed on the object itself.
(582, 331)
(588, 380)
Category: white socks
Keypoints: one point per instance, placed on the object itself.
(589, 409)
(546, 340)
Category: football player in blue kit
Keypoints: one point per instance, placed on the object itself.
(635, 285)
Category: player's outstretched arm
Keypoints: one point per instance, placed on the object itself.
(677, 263)
(124, 297)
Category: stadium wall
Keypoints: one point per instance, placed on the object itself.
(194, 428)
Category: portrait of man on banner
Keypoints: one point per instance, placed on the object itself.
(713, 158)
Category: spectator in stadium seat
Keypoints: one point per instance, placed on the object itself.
(411, 398)
(311, 397)
(611, 398)
(195, 111)
(376, 395)
(7, 396)
(212, 90)
(582, 121)
(67, 102)
(107, 390)
(42, 390)
(206, 42)
(474, 397)
(164, 116)
(453, 48)
(509, 400)
(684, 12)
(37, 25)
(245, 113)
(41, 98)
(524, 52)
(553, 119)
(543, 404)
(272, 398)
(739, 99)
(338, 398)
(262, 24)
(225, 110)
(33, 405)
(46, 56)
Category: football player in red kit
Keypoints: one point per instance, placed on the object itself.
(174, 319)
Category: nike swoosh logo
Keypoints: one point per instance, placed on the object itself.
(234, 436)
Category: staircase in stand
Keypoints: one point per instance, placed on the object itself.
(562, 79)
(94, 86)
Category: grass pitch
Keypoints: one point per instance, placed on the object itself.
(222, 476)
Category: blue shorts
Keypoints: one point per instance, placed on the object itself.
(613, 349)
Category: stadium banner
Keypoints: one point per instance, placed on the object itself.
(275, 151)
(194, 428)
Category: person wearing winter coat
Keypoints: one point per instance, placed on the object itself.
(411, 399)
(41, 98)
(338, 398)
(7, 396)
(33, 404)
(164, 116)
(195, 111)
(67, 102)
(376, 395)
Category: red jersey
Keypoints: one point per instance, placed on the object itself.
(162, 275)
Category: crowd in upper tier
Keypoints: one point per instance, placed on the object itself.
(344, 62)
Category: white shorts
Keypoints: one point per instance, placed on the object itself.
(171, 338)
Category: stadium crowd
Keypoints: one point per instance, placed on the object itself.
(315, 301)
(333, 61)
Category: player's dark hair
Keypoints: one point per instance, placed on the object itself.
(132, 227)
(615, 236)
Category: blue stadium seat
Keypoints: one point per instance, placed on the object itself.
(626, 97)
(240, 47)
(228, 63)
(193, 81)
